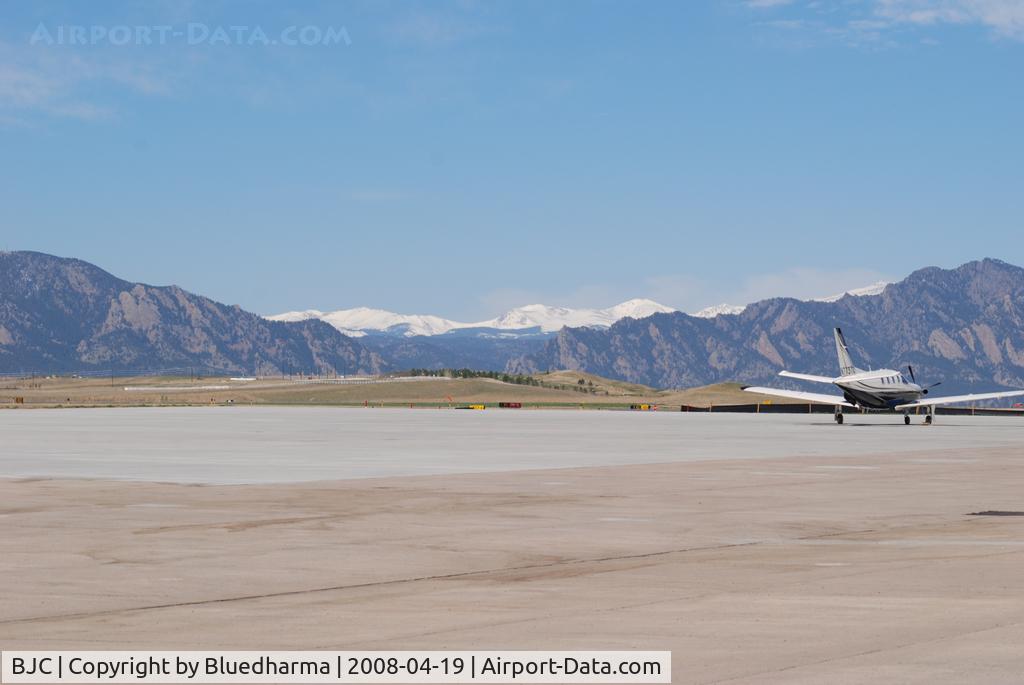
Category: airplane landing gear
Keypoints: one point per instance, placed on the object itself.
(839, 415)
(927, 419)
(906, 420)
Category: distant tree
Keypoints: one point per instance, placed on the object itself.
(515, 379)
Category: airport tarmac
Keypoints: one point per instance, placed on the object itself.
(234, 445)
(758, 548)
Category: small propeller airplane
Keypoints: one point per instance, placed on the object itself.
(883, 390)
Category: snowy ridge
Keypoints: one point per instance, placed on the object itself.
(873, 289)
(714, 310)
(363, 320)
(357, 322)
(552, 319)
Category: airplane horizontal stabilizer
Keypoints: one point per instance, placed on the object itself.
(834, 400)
(807, 377)
(869, 375)
(957, 399)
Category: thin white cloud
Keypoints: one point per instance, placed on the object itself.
(690, 294)
(495, 302)
(805, 283)
(880, 22)
(434, 29)
(786, 23)
(28, 90)
(1005, 17)
(39, 80)
(24, 88)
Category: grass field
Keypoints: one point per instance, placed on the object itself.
(557, 389)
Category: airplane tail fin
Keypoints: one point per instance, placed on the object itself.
(846, 367)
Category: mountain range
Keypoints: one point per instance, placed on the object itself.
(531, 319)
(963, 326)
(719, 309)
(59, 315)
(527, 320)
(432, 342)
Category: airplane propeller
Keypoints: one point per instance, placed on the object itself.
(924, 389)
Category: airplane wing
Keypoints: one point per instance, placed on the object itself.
(956, 399)
(806, 377)
(834, 400)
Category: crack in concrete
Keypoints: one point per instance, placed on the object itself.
(372, 584)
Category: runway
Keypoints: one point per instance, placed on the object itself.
(234, 445)
(833, 564)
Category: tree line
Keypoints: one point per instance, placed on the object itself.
(517, 379)
(581, 385)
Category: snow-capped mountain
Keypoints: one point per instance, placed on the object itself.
(873, 289)
(356, 322)
(359, 321)
(668, 351)
(362, 320)
(715, 310)
(551, 319)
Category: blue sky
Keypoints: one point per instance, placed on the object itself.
(462, 158)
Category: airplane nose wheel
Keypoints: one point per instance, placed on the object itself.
(906, 420)
(839, 417)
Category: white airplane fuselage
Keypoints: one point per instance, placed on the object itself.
(881, 389)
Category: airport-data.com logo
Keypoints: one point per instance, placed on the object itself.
(192, 33)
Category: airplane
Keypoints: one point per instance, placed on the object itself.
(883, 390)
